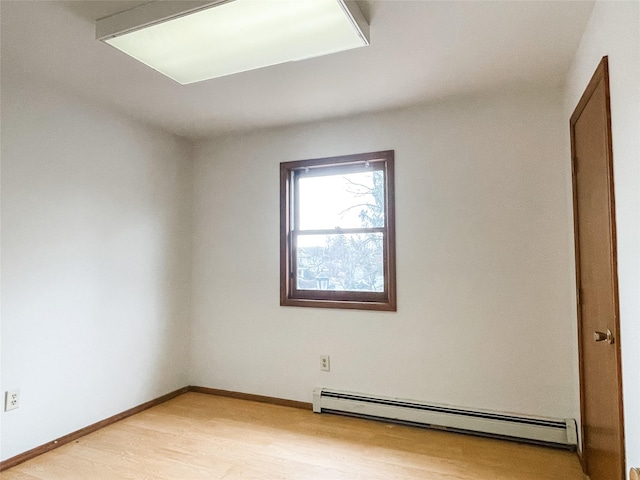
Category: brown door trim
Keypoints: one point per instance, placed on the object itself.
(601, 74)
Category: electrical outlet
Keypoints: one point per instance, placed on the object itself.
(11, 400)
(324, 363)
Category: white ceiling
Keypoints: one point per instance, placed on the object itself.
(420, 51)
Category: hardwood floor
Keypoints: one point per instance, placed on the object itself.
(198, 436)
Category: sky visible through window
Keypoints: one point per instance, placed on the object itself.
(334, 201)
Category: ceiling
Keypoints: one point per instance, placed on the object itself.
(421, 51)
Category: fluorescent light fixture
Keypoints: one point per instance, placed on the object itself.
(191, 41)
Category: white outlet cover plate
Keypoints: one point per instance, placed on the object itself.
(11, 400)
(325, 364)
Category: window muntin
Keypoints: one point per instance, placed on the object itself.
(337, 232)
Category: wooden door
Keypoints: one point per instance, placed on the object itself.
(596, 276)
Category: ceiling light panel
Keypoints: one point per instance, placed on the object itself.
(235, 36)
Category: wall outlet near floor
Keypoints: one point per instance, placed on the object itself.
(11, 400)
(324, 363)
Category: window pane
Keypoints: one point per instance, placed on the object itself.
(352, 262)
(349, 200)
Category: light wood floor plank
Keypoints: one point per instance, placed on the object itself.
(197, 436)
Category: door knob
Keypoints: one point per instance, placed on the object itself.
(601, 337)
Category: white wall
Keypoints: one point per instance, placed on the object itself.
(95, 263)
(614, 30)
(485, 275)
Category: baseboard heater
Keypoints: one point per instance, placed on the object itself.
(547, 431)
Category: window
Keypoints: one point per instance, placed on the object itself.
(337, 232)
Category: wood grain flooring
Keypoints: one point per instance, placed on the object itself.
(198, 436)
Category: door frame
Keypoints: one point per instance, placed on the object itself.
(601, 74)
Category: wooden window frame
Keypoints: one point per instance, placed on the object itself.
(290, 295)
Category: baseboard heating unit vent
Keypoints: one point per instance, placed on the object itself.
(548, 431)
